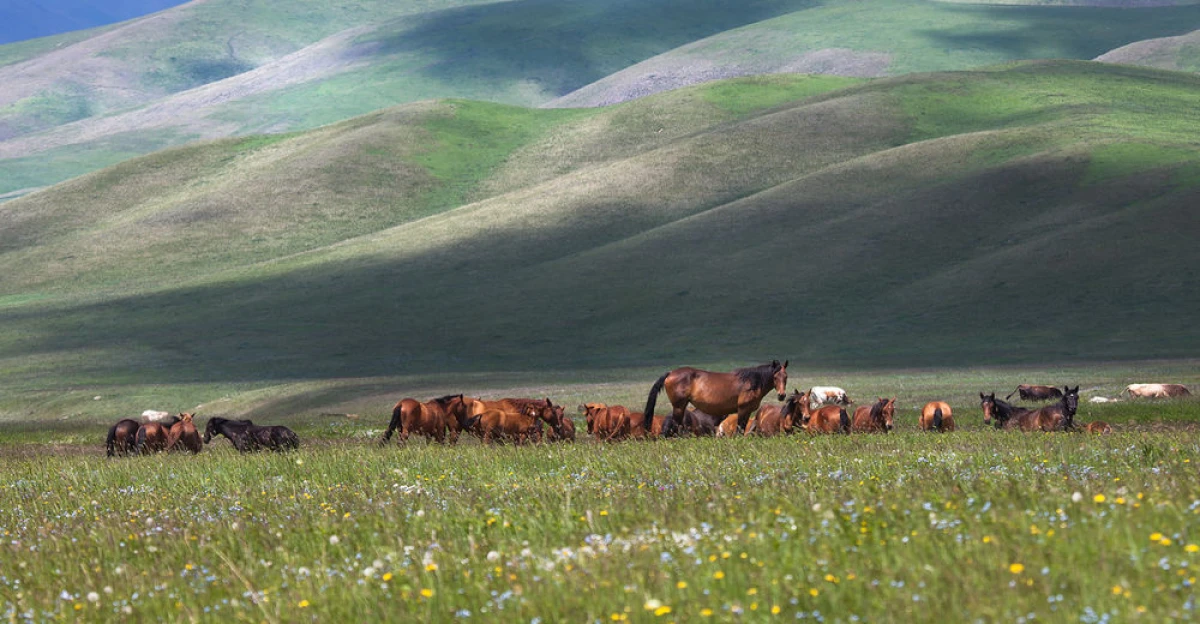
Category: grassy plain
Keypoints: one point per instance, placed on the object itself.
(902, 527)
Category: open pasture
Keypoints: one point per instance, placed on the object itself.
(905, 526)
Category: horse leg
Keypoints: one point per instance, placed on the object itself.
(674, 419)
(743, 417)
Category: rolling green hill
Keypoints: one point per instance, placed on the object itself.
(219, 68)
(1025, 213)
(1180, 53)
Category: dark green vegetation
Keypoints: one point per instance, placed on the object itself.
(320, 62)
(903, 527)
(1031, 213)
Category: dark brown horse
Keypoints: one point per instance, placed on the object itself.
(1029, 392)
(122, 438)
(1057, 417)
(568, 429)
(719, 394)
(182, 436)
(998, 412)
(151, 438)
(825, 419)
(607, 422)
(874, 418)
(697, 423)
(432, 419)
(936, 416)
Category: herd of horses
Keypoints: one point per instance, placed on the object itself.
(703, 403)
(178, 433)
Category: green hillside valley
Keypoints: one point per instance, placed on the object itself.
(209, 69)
(1032, 212)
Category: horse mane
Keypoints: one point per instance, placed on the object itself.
(877, 409)
(1005, 409)
(446, 399)
(789, 406)
(759, 377)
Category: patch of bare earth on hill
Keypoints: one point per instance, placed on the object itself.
(1162, 53)
(187, 111)
(675, 70)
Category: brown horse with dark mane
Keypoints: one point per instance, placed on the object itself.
(874, 418)
(1029, 392)
(936, 416)
(122, 438)
(151, 438)
(432, 419)
(825, 419)
(522, 426)
(720, 394)
(183, 436)
(772, 420)
(1059, 416)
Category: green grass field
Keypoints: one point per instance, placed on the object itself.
(905, 527)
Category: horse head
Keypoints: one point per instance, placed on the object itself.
(1070, 401)
(590, 411)
(988, 403)
(212, 428)
(780, 378)
(889, 412)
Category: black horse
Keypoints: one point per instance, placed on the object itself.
(248, 437)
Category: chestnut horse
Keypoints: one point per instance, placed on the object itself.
(606, 422)
(521, 426)
(431, 419)
(877, 417)
(728, 427)
(936, 416)
(826, 419)
(568, 429)
(1098, 426)
(515, 407)
(151, 438)
(774, 419)
(183, 435)
(638, 428)
(719, 394)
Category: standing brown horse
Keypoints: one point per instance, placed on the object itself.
(183, 435)
(521, 426)
(719, 394)
(515, 407)
(936, 416)
(431, 419)
(122, 438)
(826, 419)
(605, 422)
(877, 417)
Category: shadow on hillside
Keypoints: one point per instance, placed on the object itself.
(565, 45)
(1022, 32)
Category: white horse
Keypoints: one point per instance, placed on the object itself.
(827, 394)
(1156, 391)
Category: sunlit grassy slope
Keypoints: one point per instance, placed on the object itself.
(1029, 213)
(74, 103)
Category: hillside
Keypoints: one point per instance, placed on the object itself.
(218, 68)
(1180, 53)
(1026, 213)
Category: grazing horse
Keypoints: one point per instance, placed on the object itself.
(1098, 426)
(936, 416)
(638, 428)
(717, 393)
(183, 435)
(248, 437)
(605, 422)
(1156, 391)
(431, 419)
(773, 420)
(877, 417)
(151, 438)
(122, 438)
(827, 419)
(1030, 392)
(818, 395)
(521, 426)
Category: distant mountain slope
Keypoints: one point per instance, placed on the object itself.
(30, 19)
(1180, 53)
(218, 68)
(1031, 212)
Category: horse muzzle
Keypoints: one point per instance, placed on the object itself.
(782, 396)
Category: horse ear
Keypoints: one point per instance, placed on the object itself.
(785, 363)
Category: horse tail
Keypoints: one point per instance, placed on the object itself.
(111, 441)
(845, 420)
(653, 398)
(937, 419)
(393, 425)
(1012, 393)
